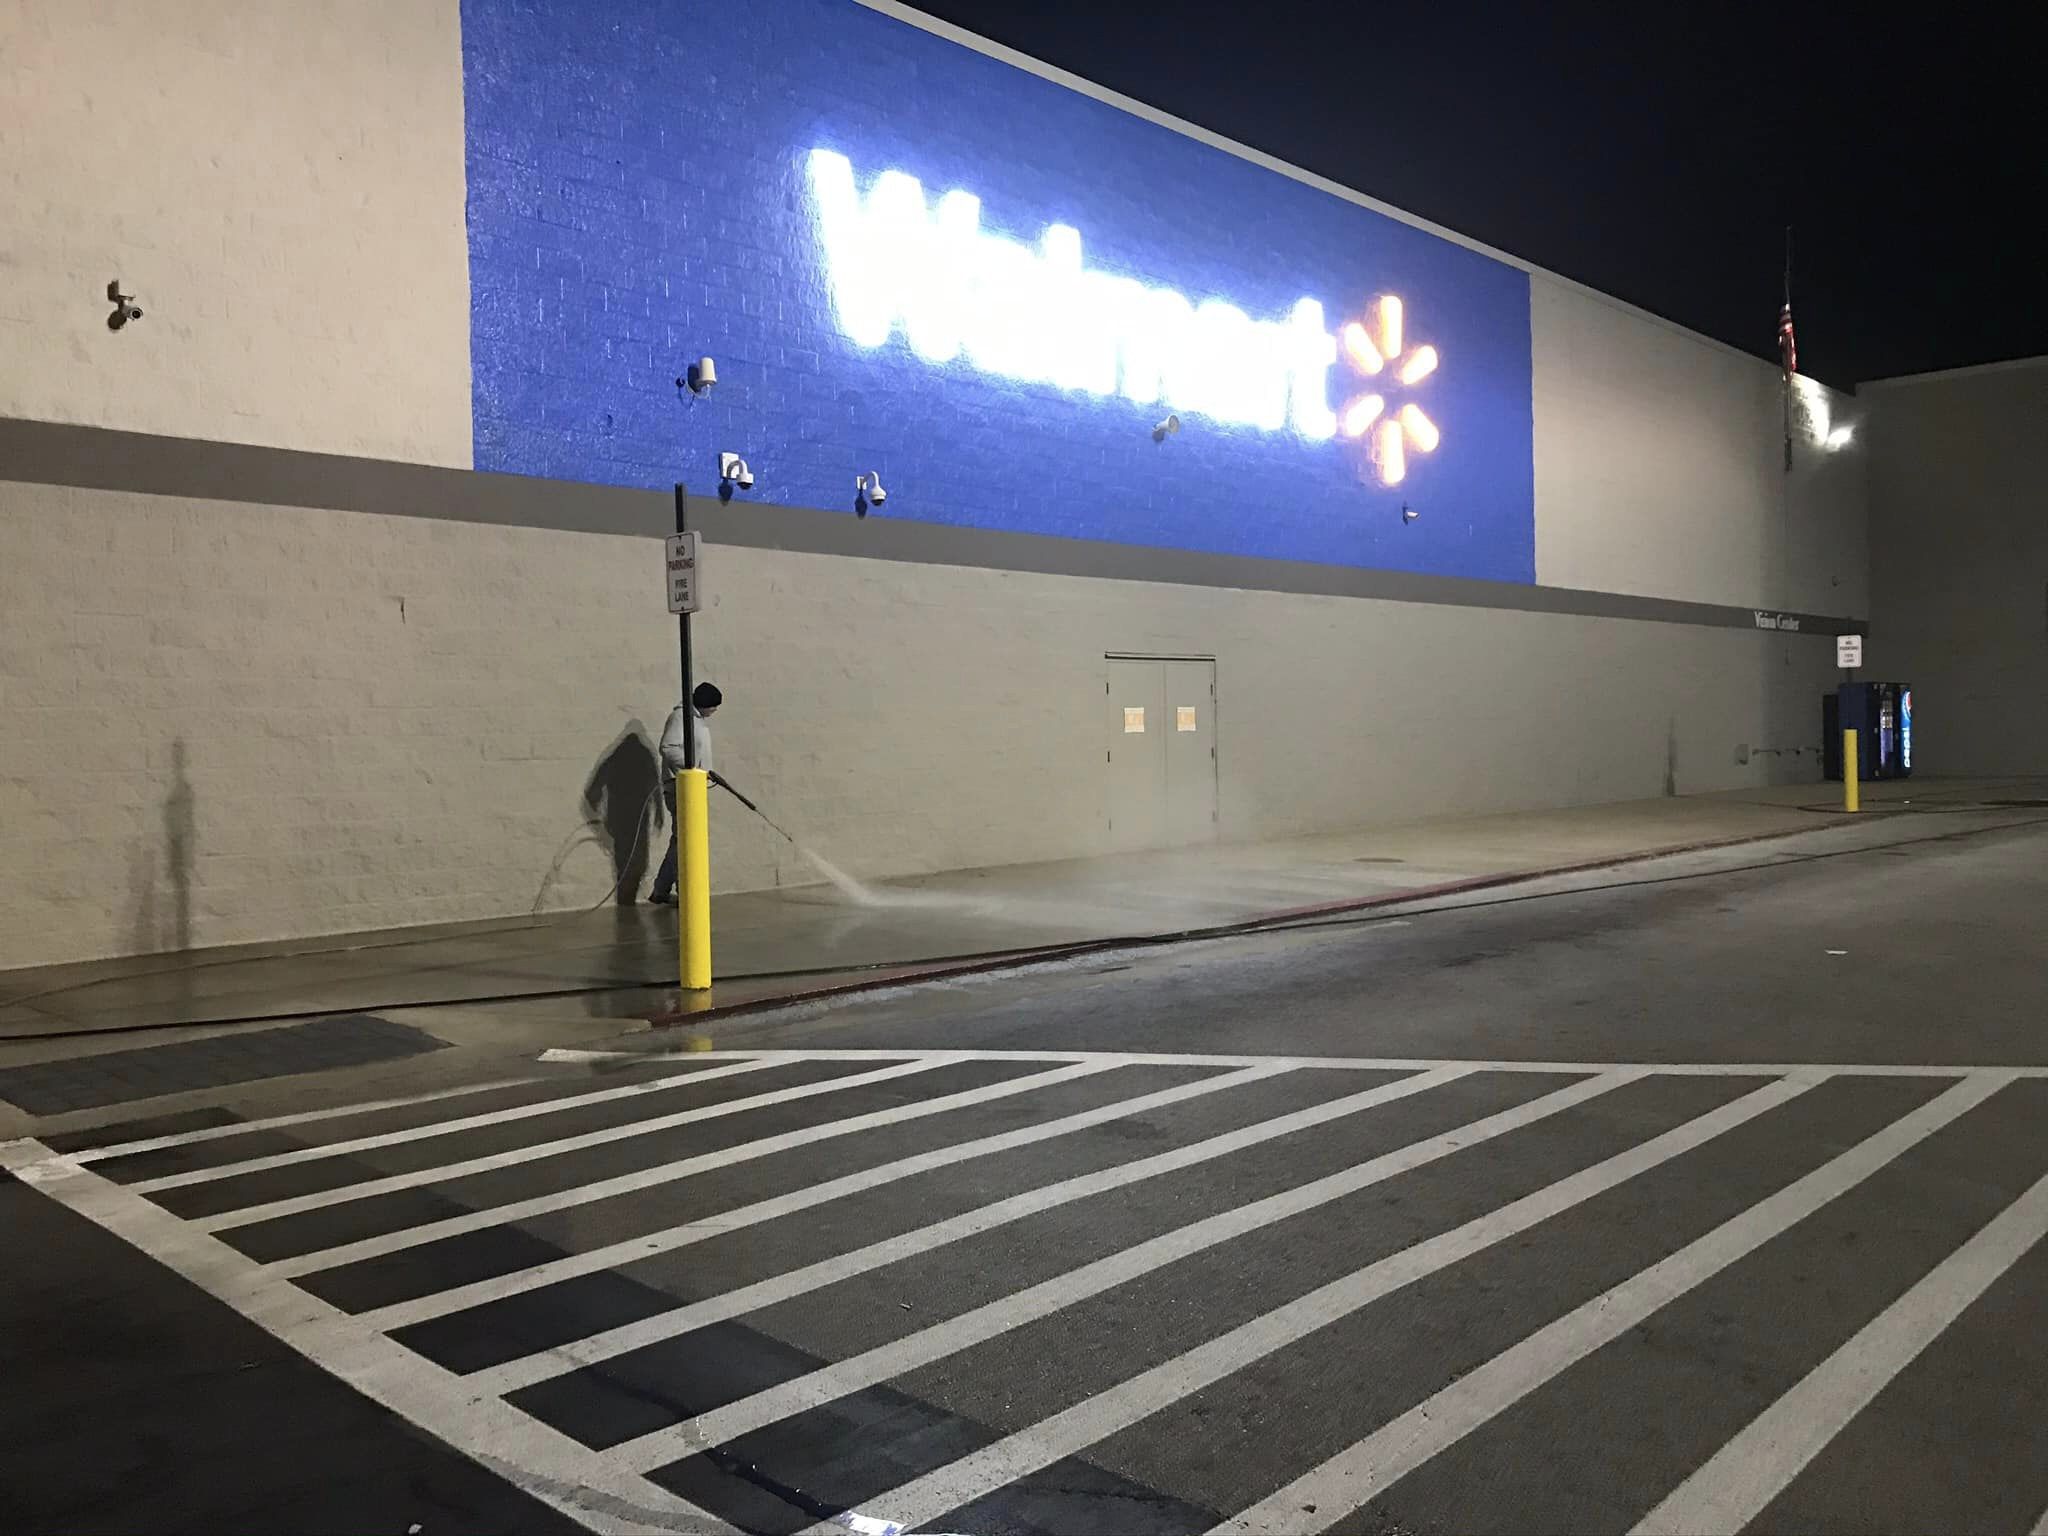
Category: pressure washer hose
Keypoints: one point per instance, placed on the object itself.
(743, 800)
(617, 885)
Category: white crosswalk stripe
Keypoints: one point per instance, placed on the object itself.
(668, 1173)
(663, 1084)
(1348, 1479)
(1265, 1106)
(906, 1354)
(287, 1122)
(248, 1215)
(1098, 1417)
(545, 1463)
(498, 1288)
(664, 1325)
(1747, 1473)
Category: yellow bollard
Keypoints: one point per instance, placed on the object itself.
(1852, 790)
(693, 855)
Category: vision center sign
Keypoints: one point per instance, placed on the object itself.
(931, 275)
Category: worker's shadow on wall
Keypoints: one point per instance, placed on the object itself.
(160, 878)
(622, 808)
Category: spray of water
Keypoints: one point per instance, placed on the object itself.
(862, 894)
(858, 892)
(855, 891)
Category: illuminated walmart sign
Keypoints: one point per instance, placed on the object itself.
(1037, 314)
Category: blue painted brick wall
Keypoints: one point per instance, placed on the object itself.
(638, 196)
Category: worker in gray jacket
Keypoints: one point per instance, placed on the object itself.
(702, 705)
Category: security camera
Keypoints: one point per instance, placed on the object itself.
(733, 470)
(125, 307)
(867, 491)
(700, 376)
(1408, 513)
(1165, 429)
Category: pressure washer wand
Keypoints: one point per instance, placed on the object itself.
(743, 800)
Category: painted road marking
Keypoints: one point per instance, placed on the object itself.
(515, 1374)
(1732, 1487)
(1365, 1470)
(270, 1210)
(1072, 1431)
(665, 1173)
(661, 1084)
(549, 1465)
(605, 1491)
(282, 1122)
(628, 1250)
(819, 1387)
(563, 1055)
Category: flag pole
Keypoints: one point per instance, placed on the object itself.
(1784, 349)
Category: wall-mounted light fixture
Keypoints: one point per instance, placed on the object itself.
(1816, 411)
(867, 492)
(1408, 513)
(1161, 431)
(700, 376)
(733, 471)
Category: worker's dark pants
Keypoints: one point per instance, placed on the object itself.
(665, 877)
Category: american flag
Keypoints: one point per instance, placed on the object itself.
(1788, 345)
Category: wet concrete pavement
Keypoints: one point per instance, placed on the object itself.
(776, 943)
(1706, 1194)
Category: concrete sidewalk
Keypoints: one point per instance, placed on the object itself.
(772, 945)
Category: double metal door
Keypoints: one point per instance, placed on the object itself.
(1161, 751)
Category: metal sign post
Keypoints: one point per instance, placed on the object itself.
(1849, 656)
(692, 809)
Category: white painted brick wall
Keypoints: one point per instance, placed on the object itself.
(1660, 467)
(1959, 510)
(385, 720)
(279, 182)
(388, 720)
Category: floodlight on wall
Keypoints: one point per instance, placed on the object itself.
(700, 376)
(1816, 410)
(733, 471)
(1162, 430)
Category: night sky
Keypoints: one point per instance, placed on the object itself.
(1655, 152)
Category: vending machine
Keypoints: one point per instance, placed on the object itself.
(1881, 715)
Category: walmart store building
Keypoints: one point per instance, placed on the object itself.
(1221, 501)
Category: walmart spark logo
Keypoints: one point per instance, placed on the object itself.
(1371, 352)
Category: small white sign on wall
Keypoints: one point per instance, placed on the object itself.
(1848, 650)
(684, 595)
(1134, 719)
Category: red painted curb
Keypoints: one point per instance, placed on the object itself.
(940, 970)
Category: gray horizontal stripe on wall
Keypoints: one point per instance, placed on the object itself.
(95, 458)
